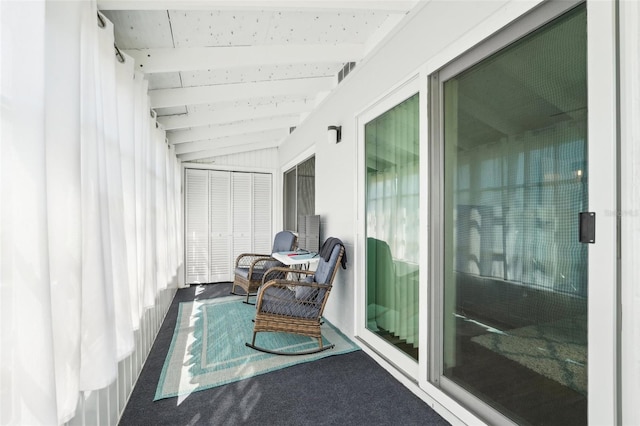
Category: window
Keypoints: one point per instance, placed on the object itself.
(392, 219)
(299, 193)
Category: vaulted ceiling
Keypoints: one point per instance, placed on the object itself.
(228, 77)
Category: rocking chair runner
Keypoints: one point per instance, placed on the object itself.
(251, 267)
(296, 306)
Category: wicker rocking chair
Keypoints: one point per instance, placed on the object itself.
(297, 306)
(250, 267)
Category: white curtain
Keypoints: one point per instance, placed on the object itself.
(102, 221)
(26, 355)
(126, 119)
(62, 145)
(84, 171)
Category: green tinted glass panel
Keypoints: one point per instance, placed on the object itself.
(392, 201)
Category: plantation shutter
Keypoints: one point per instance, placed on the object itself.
(227, 214)
(242, 212)
(197, 226)
(220, 262)
(262, 238)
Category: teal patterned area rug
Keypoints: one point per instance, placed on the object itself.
(557, 350)
(208, 347)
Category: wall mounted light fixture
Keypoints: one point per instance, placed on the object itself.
(334, 134)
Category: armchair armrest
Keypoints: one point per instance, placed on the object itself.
(245, 260)
(264, 264)
(290, 293)
(280, 273)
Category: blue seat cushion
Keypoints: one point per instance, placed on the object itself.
(277, 300)
(324, 271)
(283, 241)
(257, 275)
(322, 275)
(258, 272)
(309, 293)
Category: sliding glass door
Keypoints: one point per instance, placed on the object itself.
(512, 277)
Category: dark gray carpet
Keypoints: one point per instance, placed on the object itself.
(343, 389)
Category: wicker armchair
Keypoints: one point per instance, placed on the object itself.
(250, 267)
(296, 306)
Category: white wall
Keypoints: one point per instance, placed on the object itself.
(434, 31)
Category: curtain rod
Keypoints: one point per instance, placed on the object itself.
(103, 24)
(121, 59)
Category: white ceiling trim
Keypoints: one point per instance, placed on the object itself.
(233, 114)
(207, 58)
(233, 129)
(237, 149)
(387, 26)
(164, 98)
(271, 135)
(389, 6)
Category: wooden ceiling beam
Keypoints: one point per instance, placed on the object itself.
(254, 137)
(229, 150)
(213, 132)
(164, 98)
(229, 115)
(208, 58)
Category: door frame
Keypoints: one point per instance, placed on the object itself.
(602, 146)
(410, 86)
(603, 128)
(629, 133)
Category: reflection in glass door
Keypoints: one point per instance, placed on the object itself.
(514, 315)
(392, 201)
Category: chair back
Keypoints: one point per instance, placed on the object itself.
(326, 269)
(284, 241)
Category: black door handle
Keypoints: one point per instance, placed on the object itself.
(587, 227)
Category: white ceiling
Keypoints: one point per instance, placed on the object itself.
(237, 75)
